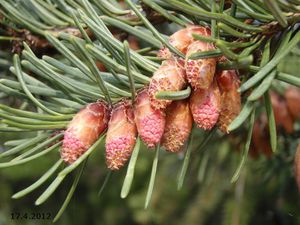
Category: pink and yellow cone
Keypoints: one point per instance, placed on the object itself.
(205, 105)
(169, 77)
(229, 84)
(84, 130)
(200, 72)
(150, 122)
(121, 135)
(178, 127)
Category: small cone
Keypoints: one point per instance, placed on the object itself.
(150, 122)
(229, 84)
(297, 166)
(292, 96)
(178, 127)
(169, 77)
(84, 130)
(182, 39)
(133, 42)
(205, 106)
(121, 135)
(200, 72)
(101, 66)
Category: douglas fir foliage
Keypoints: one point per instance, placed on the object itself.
(80, 81)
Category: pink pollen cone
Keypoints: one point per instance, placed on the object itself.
(84, 130)
(229, 84)
(150, 122)
(179, 123)
(200, 72)
(205, 106)
(121, 135)
(169, 77)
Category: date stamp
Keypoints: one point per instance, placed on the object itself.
(30, 216)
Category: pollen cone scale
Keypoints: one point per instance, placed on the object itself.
(169, 77)
(205, 105)
(229, 84)
(150, 122)
(84, 130)
(121, 135)
(178, 127)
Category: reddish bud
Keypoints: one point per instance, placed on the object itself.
(178, 126)
(121, 135)
(169, 77)
(200, 73)
(229, 84)
(84, 130)
(282, 116)
(297, 166)
(133, 42)
(150, 122)
(292, 96)
(205, 106)
(100, 66)
(261, 138)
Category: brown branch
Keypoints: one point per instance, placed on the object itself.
(36, 42)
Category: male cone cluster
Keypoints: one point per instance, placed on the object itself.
(214, 99)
